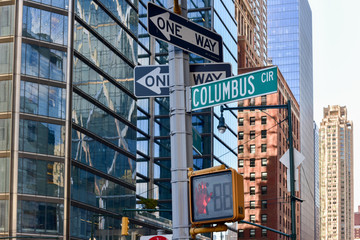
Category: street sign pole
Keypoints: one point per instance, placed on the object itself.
(180, 136)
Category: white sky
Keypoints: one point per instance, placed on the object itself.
(336, 55)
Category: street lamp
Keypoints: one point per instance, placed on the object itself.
(221, 126)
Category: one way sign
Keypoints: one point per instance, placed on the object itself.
(183, 33)
(153, 80)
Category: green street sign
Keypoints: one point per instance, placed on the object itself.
(235, 88)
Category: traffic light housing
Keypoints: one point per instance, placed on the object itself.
(216, 196)
(125, 226)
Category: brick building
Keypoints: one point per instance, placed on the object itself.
(262, 140)
(357, 224)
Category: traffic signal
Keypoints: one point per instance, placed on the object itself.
(125, 226)
(216, 196)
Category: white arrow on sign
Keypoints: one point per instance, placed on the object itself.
(298, 159)
(170, 28)
(155, 80)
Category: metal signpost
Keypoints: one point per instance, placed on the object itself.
(153, 81)
(183, 33)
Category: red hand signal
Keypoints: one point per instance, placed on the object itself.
(202, 198)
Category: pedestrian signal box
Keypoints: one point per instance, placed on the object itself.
(216, 196)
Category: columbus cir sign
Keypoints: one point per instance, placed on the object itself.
(235, 88)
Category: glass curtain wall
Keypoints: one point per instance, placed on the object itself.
(290, 47)
(7, 23)
(104, 133)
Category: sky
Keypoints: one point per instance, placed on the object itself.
(336, 61)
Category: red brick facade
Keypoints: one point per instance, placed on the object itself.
(262, 142)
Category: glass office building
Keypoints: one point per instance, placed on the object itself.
(68, 118)
(153, 162)
(290, 47)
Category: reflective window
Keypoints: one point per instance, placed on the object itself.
(263, 162)
(7, 20)
(39, 177)
(263, 218)
(264, 176)
(252, 176)
(103, 57)
(252, 204)
(252, 120)
(241, 135)
(241, 121)
(43, 62)
(264, 204)
(263, 133)
(252, 190)
(252, 134)
(103, 124)
(4, 177)
(40, 137)
(84, 222)
(5, 134)
(263, 147)
(241, 163)
(5, 96)
(40, 217)
(263, 189)
(42, 100)
(44, 25)
(102, 193)
(4, 215)
(252, 162)
(107, 28)
(263, 120)
(56, 3)
(6, 57)
(252, 148)
(252, 218)
(102, 157)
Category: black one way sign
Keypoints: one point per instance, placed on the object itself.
(181, 32)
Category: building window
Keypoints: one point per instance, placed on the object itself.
(252, 232)
(263, 204)
(241, 121)
(252, 148)
(252, 102)
(264, 176)
(252, 176)
(252, 204)
(252, 162)
(241, 135)
(252, 190)
(263, 133)
(263, 162)
(263, 218)
(241, 148)
(263, 120)
(263, 232)
(241, 233)
(252, 218)
(263, 189)
(252, 134)
(252, 121)
(241, 163)
(263, 100)
(263, 147)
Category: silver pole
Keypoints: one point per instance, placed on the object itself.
(180, 135)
